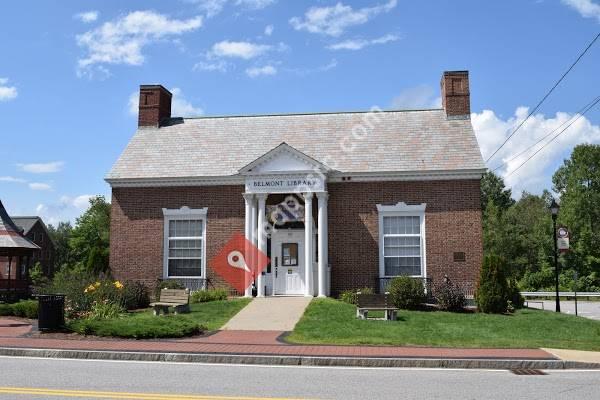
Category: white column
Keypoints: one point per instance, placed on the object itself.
(308, 248)
(262, 239)
(323, 240)
(249, 199)
(254, 237)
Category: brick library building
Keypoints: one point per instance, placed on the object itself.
(336, 201)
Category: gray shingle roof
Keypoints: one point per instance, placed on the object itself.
(392, 141)
(11, 237)
(25, 222)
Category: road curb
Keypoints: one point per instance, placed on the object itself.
(299, 360)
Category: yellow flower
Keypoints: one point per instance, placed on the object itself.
(97, 284)
(90, 288)
(85, 291)
(118, 285)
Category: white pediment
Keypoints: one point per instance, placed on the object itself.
(283, 159)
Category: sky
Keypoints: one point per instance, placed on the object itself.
(70, 72)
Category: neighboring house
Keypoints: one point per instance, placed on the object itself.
(35, 230)
(356, 197)
(16, 254)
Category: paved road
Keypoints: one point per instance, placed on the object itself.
(57, 379)
(588, 309)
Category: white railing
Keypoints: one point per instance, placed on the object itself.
(560, 294)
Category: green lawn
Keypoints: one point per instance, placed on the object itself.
(328, 321)
(144, 325)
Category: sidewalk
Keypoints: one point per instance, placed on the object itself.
(261, 347)
(269, 314)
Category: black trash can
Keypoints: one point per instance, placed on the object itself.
(51, 312)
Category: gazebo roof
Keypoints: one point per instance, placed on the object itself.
(12, 241)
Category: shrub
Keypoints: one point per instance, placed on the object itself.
(5, 309)
(135, 296)
(203, 296)
(407, 293)
(25, 308)
(166, 284)
(105, 310)
(72, 282)
(36, 276)
(143, 327)
(449, 296)
(492, 292)
(351, 296)
(515, 294)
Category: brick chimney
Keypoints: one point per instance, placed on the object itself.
(456, 99)
(155, 105)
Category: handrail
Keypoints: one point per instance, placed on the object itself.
(560, 294)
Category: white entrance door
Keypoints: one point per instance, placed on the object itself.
(287, 262)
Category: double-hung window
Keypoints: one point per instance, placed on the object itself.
(184, 243)
(401, 240)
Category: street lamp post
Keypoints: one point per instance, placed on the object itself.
(554, 210)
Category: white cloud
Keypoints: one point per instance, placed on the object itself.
(7, 92)
(536, 174)
(39, 186)
(215, 7)
(218, 65)
(42, 168)
(87, 17)
(307, 71)
(255, 4)
(180, 107)
(258, 71)
(81, 202)
(334, 20)
(418, 97)
(330, 65)
(121, 41)
(245, 50)
(269, 30)
(587, 8)
(210, 7)
(357, 44)
(12, 179)
(66, 209)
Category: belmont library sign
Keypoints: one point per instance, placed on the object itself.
(285, 184)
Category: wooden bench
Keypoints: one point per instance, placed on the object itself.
(375, 302)
(179, 299)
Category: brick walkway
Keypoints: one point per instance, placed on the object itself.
(251, 343)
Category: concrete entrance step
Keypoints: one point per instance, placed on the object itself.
(269, 314)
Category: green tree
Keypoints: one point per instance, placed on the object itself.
(493, 189)
(89, 240)
(493, 292)
(531, 231)
(496, 235)
(578, 183)
(60, 236)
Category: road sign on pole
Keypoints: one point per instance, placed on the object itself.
(563, 239)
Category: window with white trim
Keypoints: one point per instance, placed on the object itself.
(185, 243)
(401, 240)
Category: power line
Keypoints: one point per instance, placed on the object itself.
(545, 97)
(582, 110)
(554, 138)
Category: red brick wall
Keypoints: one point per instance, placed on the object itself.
(453, 224)
(154, 105)
(136, 232)
(456, 98)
